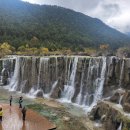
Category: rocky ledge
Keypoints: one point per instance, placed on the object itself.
(122, 97)
(111, 116)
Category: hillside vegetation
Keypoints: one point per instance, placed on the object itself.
(23, 24)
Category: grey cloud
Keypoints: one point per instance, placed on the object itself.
(111, 10)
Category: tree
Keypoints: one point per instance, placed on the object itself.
(104, 49)
(6, 49)
(123, 52)
(44, 50)
(34, 42)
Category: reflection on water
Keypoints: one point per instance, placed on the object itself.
(24, 126)
(1, 128)
(12, 120)
(10, 111)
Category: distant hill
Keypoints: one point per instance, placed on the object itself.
(54, 26)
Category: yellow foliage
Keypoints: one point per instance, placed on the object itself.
(5, 45)
(90, 51)
(44, 50)
(6, 49)
(104, 46)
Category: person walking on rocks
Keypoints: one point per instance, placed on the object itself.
(1, 114)
(24, 113)
(10, 100)
(20, 101)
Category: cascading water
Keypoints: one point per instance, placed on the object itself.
(53, 87)
(100, 84)
(93, 69)
(42, 71)
(120, 100)
(56, 67)
(79, 97)
(16, 76)
(120, 127)
(122, 73)
(69, 89)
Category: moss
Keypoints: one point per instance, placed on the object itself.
(56, 116)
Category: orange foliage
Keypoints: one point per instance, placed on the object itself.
(104, 46)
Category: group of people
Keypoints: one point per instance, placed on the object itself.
(23, 109)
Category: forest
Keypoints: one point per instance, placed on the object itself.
(53, 28)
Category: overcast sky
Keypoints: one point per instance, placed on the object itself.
(115, 13)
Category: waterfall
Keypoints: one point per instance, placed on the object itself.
(69, 89)
(100, 84)
(121, 97)
(120, 127)
(56, 67)
(43, 70)
(77, 79)
(79, 97)
(16, 76)
(6, 70)
(52, 89)
(86, 97)
(122, 73)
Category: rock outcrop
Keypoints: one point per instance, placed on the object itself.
(110, 115)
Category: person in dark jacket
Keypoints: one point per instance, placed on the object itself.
(24, 113)
(10, 100)
(20, 101)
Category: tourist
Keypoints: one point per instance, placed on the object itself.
(20, 101)
(10, 100)
(24, 113)
(1, 114)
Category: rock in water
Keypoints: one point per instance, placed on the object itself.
(5, 76)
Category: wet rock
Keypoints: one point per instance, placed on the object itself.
(39, 94)
(103, 118)
(126, 107)
(126, 101)
(58, 89)
(117, 96)
(107, 115)
(126, 97)
(5, 76)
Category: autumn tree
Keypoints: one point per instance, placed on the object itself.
(104, 48)
(44, 50)
(6, 49)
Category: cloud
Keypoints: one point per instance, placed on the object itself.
(115, 13)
